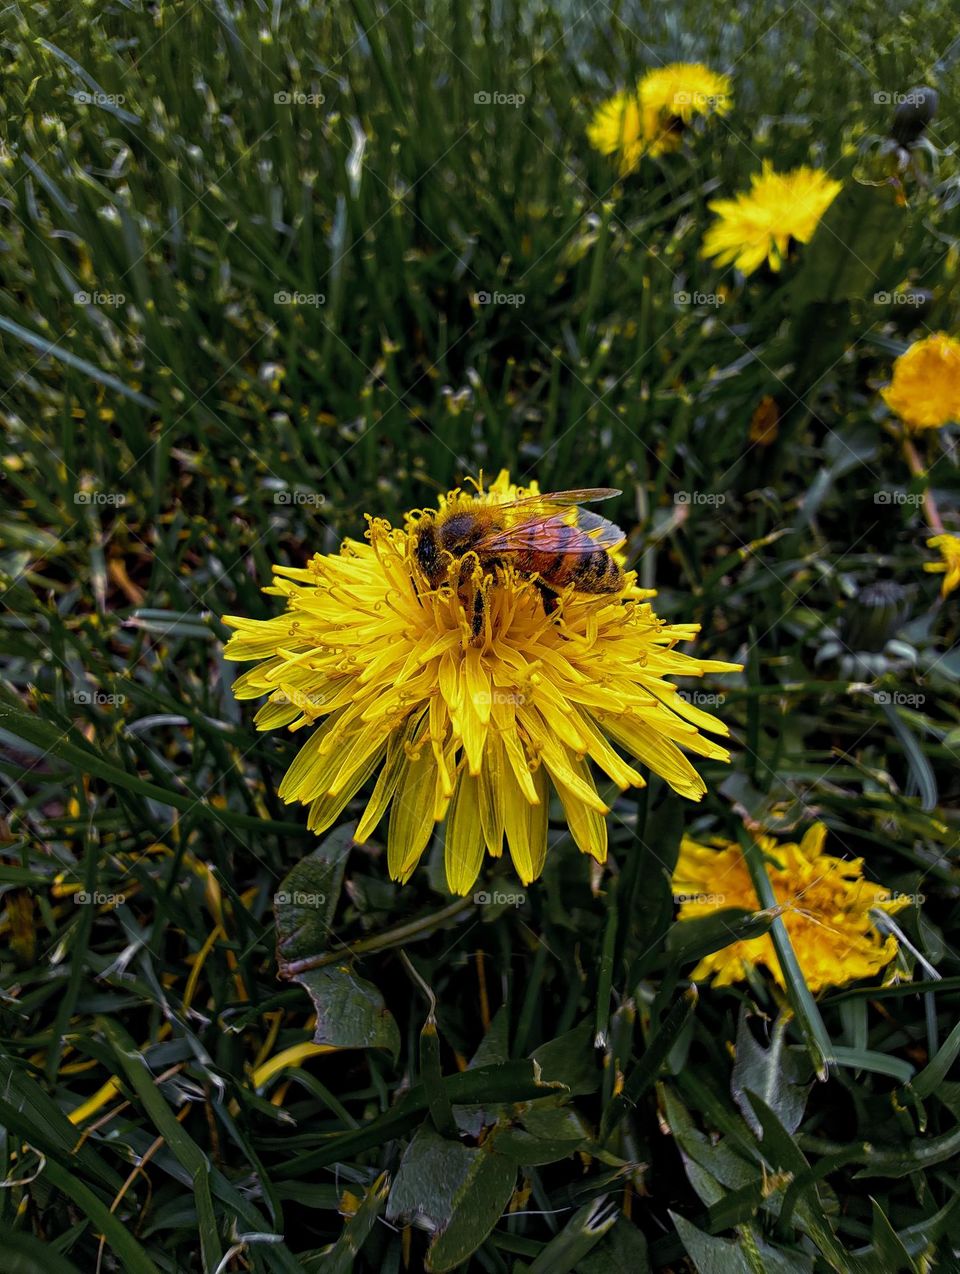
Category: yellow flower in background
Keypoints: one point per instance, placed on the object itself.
(949, 546)
(471, 722)
(758, 224)
(673, 96)
(826, 906)
(617, 129)
(650, 119)
(925, 389)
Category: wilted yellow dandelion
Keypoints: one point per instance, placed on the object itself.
(471, 714)
(949, 565)
(826, 906)
(650, 119)
(925, 389)
(758, 224)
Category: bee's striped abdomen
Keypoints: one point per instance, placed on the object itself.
(594, 572)
(598, 573)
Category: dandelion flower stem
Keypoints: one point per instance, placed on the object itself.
(919, 470)
(380, 941)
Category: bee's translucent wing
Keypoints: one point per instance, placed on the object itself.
(601, 530)
(562, 499)
(555, 533)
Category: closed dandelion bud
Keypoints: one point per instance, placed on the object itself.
(876, 614)
(914, 112)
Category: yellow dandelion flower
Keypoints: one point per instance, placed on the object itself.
(826, 906)
(469, 711)
(617, 129)
(925, 389)
(949, 546)
(650, 118)
(758, 224)
(673, 96)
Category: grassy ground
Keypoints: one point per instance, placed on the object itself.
(242, 249)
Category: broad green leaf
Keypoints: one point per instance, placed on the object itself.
(495, 1045)
(455, 1192)
(350, 1011)
(306, 901)
(550, 1132)
(711, 1255)
(570, 1060)
(778, 1074)
(712, 1166)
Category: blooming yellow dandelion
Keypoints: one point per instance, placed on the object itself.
(650, 119)
(617, 129)
(469, 713)
(673, 96)
(758, 224)
(925, 389)
(949, 565)
(826, 909)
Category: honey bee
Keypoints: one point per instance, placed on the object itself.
(535, 535)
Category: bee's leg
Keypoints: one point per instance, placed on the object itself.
(476, 626)
(547, 596)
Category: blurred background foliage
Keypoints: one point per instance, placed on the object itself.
(245, 248)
